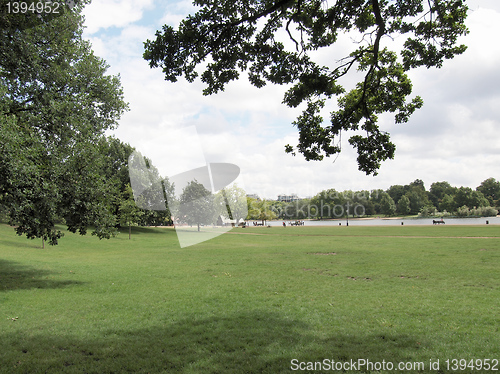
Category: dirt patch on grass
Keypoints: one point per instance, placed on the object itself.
(322, 253)
(359, 278)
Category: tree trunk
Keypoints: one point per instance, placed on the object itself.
(198, 227)
(129, 231)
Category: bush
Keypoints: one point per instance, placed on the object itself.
(431, 211)
(485, 211)
(482, 211)
(428, 211)
(444, 213)
(463, 211)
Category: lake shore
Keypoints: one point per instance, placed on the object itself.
(388, 221)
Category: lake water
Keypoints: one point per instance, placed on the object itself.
(394, 222)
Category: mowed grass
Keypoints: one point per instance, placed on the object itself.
(251, 300)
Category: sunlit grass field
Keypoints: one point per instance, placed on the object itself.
(255, 300)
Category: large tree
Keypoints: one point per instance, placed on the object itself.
(260, 210)
(196, 205)
(403, 205)
(490, 188)
(470, 198)
(438, 191)
(56, 101)
(232, 203)
(275, 41)
(387, 205)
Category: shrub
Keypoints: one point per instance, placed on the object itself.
(485, 211)
(428, 211)
(444, 213)
(463, 211)
(482, 211)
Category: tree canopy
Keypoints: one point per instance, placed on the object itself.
(232, 202)
(56, 102)
(275, 41)
(196, 205)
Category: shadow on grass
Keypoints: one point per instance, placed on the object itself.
(7, 241)
(14, 276)
(163, 230)
(252, 342)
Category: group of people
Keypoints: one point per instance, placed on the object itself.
(296, 223)
(255, 223)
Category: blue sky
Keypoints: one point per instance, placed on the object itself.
(455, 137)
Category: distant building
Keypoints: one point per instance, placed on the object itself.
(253, 196)
(288, 198)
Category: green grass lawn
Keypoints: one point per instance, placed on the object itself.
(251, 300)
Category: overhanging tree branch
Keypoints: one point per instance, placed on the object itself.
(244, 43)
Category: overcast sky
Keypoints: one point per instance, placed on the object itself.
(455, 137)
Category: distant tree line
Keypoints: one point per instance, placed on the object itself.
(441, 199)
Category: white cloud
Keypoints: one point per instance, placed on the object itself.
(102, 14)
(454, 137)
(176, 11)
